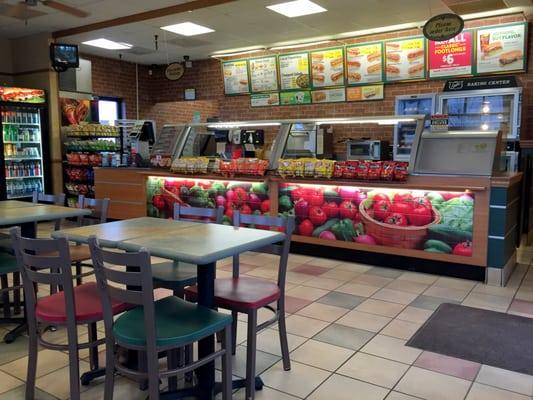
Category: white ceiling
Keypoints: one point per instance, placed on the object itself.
(238, 24)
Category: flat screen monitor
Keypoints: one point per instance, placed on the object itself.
(64, 55)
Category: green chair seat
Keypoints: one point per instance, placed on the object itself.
(6, 245)
(178, 323)
(173, 275)
(8, 264)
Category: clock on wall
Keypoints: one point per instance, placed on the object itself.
(174, 71)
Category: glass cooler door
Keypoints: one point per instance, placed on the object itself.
(404, 133)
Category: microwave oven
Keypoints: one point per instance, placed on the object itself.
(374, 150)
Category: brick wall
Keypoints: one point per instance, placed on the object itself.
(162, 99)
(173, 112)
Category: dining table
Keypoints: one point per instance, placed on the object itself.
(26, 215)
(182, 241)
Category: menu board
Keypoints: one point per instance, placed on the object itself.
(294, 71)
(263, 74)
(265, 99)
(405, 59)
(235, 77)
(501, 48)
(328, 95)
(327, 67)
(294, 98)
(363, 93)
(451, 57)
(364, 63)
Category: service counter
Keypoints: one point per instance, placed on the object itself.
(473, 221)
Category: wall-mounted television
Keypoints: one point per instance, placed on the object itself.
(64, 56)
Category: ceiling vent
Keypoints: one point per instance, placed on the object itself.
(188, 43)
(462, 7)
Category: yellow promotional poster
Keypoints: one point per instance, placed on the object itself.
(364, 63)
(405, 59)
(327, 67)
(294, 71)
(236, 77)
(362, 93)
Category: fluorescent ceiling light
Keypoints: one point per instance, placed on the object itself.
(347, 121)
(297, 8)
(232, 125)
(187, 29)
(296, 46)
(237, 53)
(108, 44)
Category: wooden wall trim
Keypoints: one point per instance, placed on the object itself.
(161, 12)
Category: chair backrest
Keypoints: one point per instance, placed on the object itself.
(99, 208)
(55, 199)
(281, 249)
(125, 277)
(44, 261)
(194, 214)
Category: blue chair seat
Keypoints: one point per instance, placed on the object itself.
(177, 321)
(173, 275)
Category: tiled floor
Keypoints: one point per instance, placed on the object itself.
(348, 324)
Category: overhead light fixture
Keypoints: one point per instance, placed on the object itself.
(234, 125)
(297, 46)
(108, 44)
(187, 29)
(231, 53)
(347, 121)
(297, 8)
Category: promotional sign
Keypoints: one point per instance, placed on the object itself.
(235, 77)
(263, 100)
(501, 48)
(362, 93)
(328, 95)
(293, 98)
(451, 57)
(443, 27)
(405, 59)
(294, 71)
(364, 63)
(22, 95)
(74, 111)
(327, 67)
(263, 74)
(498, 82)
(439, 123)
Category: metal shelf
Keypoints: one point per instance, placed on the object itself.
(13, 178)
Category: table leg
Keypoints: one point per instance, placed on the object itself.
(206, 298)
(28, 230)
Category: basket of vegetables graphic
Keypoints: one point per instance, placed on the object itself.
(401, 222)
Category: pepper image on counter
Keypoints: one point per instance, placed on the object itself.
(435, 222)
(247, 197)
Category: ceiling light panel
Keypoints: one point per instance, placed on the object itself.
(297, 8)
(187, 29)
(108, 44)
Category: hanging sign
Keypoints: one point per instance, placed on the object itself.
(443, 27)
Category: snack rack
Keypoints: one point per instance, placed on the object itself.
(84, 147)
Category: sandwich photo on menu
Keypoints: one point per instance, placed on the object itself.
(501, 48)
(374, 68)
(405, 59)
(510, 57)
(327, 67)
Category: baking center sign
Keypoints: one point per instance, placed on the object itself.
(500, 82)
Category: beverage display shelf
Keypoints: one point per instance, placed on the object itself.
(21, 123)
(20, 196)
(93, 137)
(12, 178)
(21, 141)
(29, 158)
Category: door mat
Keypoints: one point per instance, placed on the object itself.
(487, 337)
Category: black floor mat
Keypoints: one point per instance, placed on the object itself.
(487, 337)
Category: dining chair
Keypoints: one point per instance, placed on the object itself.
(70, 308)
(8, 266)
(55, 199)
(153, 327)
(175, 275)
(247, 295)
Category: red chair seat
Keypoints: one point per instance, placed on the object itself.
(88, 305)
(242, 293)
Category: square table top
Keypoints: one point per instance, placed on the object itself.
(191, 242)
(38, 212)
(110, 233)
(16, 204)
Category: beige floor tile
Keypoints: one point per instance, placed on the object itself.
(418, 277)
(373, 280)
(342, 388)
(123, 389)
(324, 283)
(407, 286)
(391, 348)
(484, 392)
(447, 293)
(400, 396)
(487, 301)
(340, 274)
(432, 385)
(321, 355)
(394, 296)
(376, 370)
(302, 259)
(494, 290)
(358, 289)
(323, 312)
(57, 382)
(304, 326)
(400, 329)
(261, 272)
(524, 294)
(380, 307)
(264, 394)
(414, 314)
(307, 293)
(455, 283)
(297, 278)
(8, 382)
(268, 341)
(300, 381)
(47, 361)
(363, 320)
(354, 267)
(324, 262)
(505, 379)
